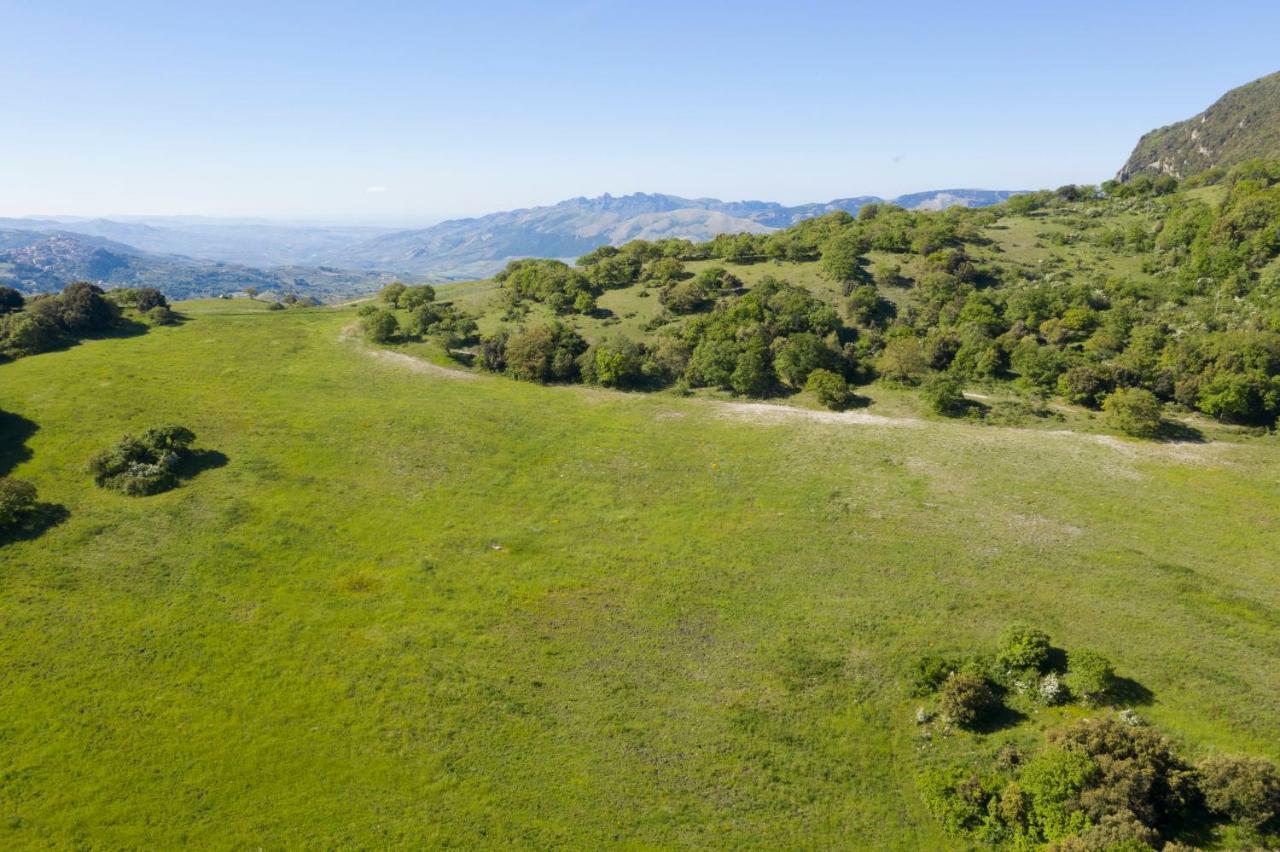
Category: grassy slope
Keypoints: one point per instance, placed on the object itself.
(416, 610)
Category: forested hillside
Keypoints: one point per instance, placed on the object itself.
(1129, 296)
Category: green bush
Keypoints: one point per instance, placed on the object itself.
(958, 797)
(17, 502)
(830, 388)
(1089, 675)
(966, 699)
(161, 315)
(143, 465)
(1244, 789)
(1023, 647)
(1134, 411)
(391, 293)
(943, 393)
(545, 353)
(930, 672)
(380, 326)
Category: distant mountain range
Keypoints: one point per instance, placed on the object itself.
(37, 261)
(188, 256)
(1242, 124)
(480, 246)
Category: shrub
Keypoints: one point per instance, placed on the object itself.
(17, 502)
(929, 673)
(966, 699)
(29, 333)
(380, 326)
(943, 393)
(1134, 411)
(1244, 789)
(830, 388)
(616, 362)
(416, 296)
(143, 465)
(161, 315)
(959, 798)
(1023, 647)
(83, 308)
(1089, 675)
(1051, 690)
(903, 360)
(801, 354)
(546, 353)
(148, 299)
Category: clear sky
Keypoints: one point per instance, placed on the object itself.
(405, 112)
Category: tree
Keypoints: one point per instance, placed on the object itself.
(149, 298)
(84, 309)
(1134, 411)
(753, 373)
(1023, 647)
(251, 292)
(943, 393)
(1089, 674)
(380, 326)
(830, 388)
(1244, 789)
(544, 353)
(17, 502)
(411, 298)
(10, 300)
(842, 257)
(801, 354)
(391, 293)
(29, 333)
(966, 699)
(903, 360)
(615, 362)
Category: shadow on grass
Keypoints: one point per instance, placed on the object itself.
(1127, 692)
(466, 359)
(196, 462)
(1176, 432)
(14, 432)
(43, 517)
(120, 328)
(999, 719)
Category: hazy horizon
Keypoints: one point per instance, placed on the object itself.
(400, 115)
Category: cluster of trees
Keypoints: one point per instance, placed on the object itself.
(1104, 784)
(772, 338)
(425, 317)
(1101, 784)
(29, 326)
(969, 688)
(144, 464)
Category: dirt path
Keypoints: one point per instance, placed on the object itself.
(763, 412)
(400, 359)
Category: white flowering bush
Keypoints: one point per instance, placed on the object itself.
(1051, 690)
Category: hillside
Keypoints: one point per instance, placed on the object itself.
(479, 247)
(38, 261)
(414, 611)
(1243, 124)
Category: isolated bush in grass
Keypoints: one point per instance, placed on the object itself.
(148, 299)
(1244, 789)
(830, 388)
(1023, 647)
(143, 465)
(943, 393)
(1134, 411)
(17, 502)
(1089, 675)
(380, 326)
(966, 699)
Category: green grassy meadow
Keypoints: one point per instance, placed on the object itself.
(413, 610)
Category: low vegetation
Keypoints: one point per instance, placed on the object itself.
(146, 464)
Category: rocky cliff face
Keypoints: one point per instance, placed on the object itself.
(1243, 124)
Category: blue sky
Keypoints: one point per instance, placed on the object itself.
(408, 112)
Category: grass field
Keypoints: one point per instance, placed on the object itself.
(416, 610)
